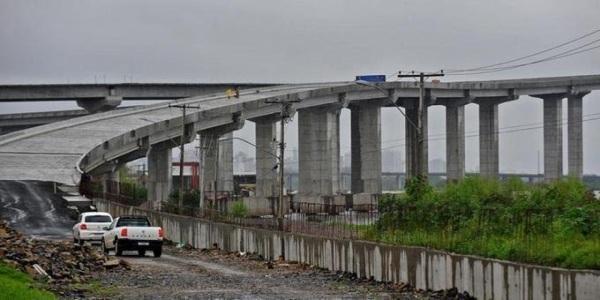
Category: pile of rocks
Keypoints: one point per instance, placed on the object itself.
(58, 262)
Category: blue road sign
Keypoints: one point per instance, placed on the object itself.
(371, 78)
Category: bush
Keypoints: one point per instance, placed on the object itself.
(557, 223)
(239, 209)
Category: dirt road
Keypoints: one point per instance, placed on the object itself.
(195, 274)
(32, 208)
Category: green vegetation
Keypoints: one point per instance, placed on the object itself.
(16, 285)
(191, 198)
(239, 209)
(95, 288)
(554, 224)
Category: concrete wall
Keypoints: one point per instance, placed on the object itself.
(421, 267)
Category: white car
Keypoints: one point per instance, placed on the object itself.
(90, 227)
(132, 233)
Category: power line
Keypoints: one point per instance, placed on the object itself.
(563, 54)
(506, 65)
(529, 55)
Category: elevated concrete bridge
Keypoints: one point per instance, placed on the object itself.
(97, 144)
(106, 96)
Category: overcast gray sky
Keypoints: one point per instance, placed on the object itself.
(299, 41)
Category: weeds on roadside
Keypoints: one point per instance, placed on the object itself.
(554, 224)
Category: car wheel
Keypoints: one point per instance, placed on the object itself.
(80, 242)
(157, 252)
(104, 249)
(118, 251)
(142, 253)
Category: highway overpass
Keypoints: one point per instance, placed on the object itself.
(97, 144)
(106, 96)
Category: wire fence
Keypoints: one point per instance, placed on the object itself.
(326, 220)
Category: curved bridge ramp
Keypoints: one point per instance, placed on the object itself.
(61, 152)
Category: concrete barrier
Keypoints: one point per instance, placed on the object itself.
(421, 267)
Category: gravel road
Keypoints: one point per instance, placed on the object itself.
(213, 274)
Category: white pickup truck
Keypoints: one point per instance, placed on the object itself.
(132, 233)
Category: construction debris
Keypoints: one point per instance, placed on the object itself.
(58, 262)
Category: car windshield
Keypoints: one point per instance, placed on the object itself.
(98, 219)
(134, 222)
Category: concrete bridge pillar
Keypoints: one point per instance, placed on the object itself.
(575, 134)
(266, 161)
(159, 180)
(217, 158)
(319, 154)
(553, 141)
(411, 111)
(366, 151)
(217, 161)
(225, 163)
(455, 142)
(488, 139)
(110, 180)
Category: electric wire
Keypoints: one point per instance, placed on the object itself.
(529, 55)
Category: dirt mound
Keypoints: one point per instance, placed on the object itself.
(57, 262)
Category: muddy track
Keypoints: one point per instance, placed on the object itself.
(33, 209)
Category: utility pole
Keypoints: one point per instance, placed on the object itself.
(200, 175)
(285, 114)
(418, 162)
(183, 108)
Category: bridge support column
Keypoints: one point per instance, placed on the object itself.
(159, 181)
(266, 162)
(225, 163)
(366, 152)
(217, 166)
(411, 144)
(575, 135)
(553, 142)
(319, 154)
(488, 140)
(110, 182)
(455, 142)
(216, 146)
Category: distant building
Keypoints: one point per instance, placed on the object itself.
(437, 166)
(391, 161)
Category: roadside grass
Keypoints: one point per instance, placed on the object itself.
(571, 252)
(16, 285)
(95, 288)
(555, 224)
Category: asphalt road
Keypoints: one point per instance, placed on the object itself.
(32, 208)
